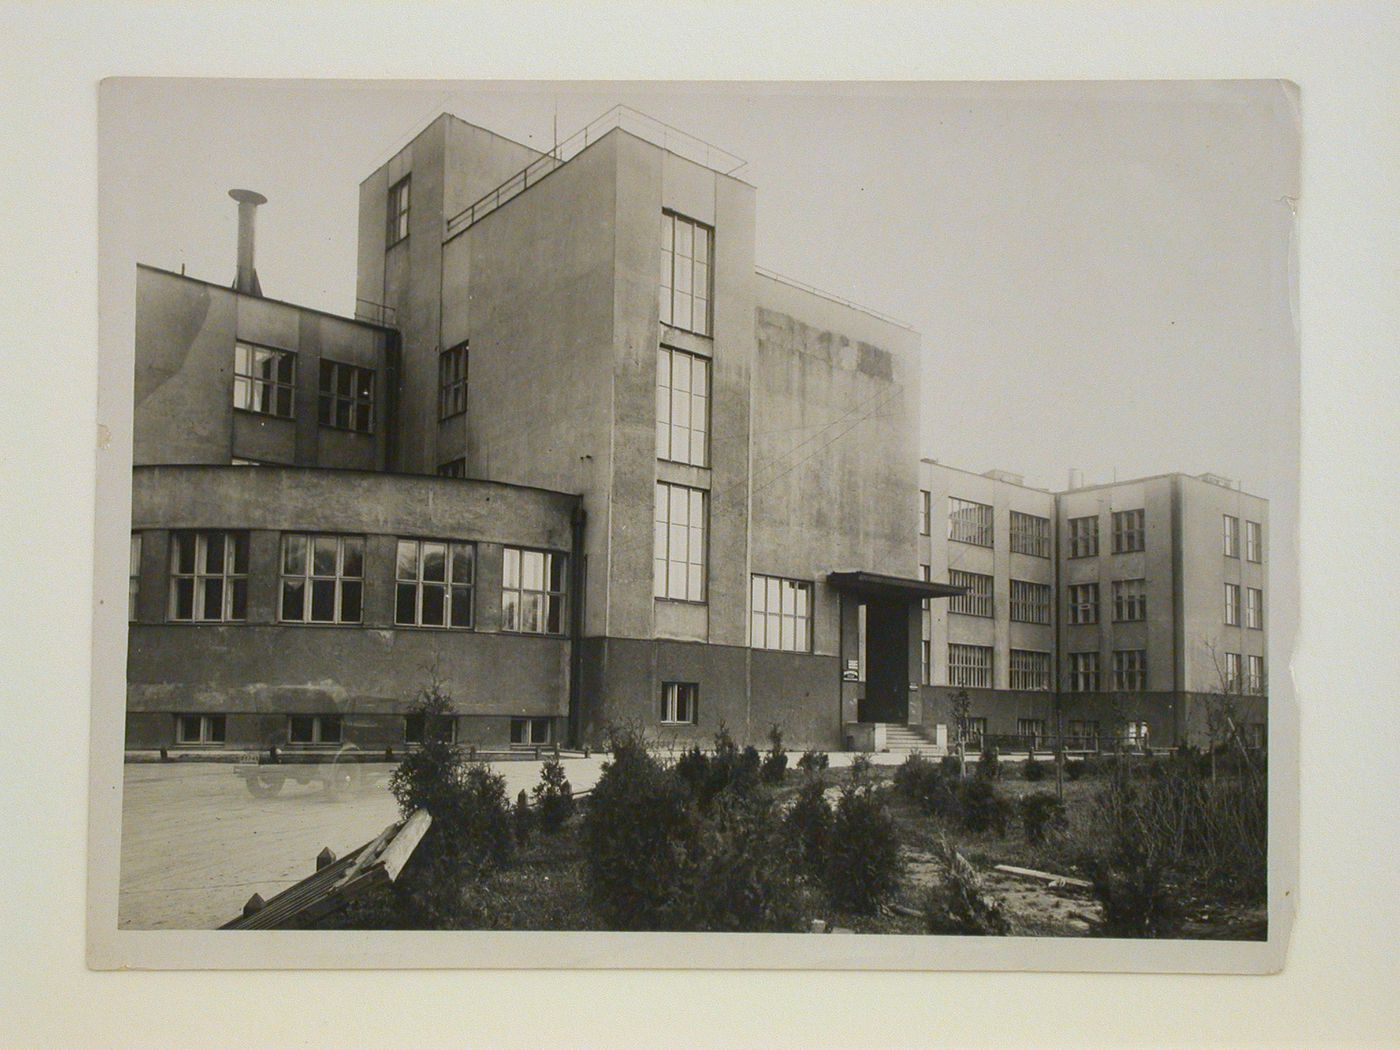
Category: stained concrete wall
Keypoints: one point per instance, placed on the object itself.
(185, 335)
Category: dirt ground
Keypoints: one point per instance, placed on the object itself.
(196, 844)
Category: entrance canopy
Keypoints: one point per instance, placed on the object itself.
(878, 585)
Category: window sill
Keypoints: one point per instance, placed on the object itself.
(420, 627)
(972, 543)
(267, 415)
(532, 634)
(345, 430)
(680, 601)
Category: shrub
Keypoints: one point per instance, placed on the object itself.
(951, 766)
(862, 769)
(1137, 901)
(554, 797)
(960, 903)
(863, 865)
(813, 761)
(522, 818)
(1074, 768)
(775, 764)
(693, 768)
(927, 785)
(809, 824)
(1034, 769)
(989, 765)
(638, 832)
(1042, 813)
(982, 808)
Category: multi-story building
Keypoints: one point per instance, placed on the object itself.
(1102, 610)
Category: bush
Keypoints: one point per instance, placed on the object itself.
(638, 832)
(775, 763)
(1041, 814)
(554, 797)
(522, 818)
(951, 766)
(813, 761)
(863, 865)
(809, 823)
(960, 903)
(1034, 769)
(862, 769)
(982, 808)
(1137, 901)
(926, 784)
(1074, 768)
(693, 768)
(989, 765)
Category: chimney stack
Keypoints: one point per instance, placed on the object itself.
(247, 279)
(1076, 478)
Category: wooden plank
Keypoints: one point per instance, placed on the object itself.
(396, 853)
(1045, 876)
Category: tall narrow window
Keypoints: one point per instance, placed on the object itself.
(687, 254)
(347, 397)
(433, 583)
(1254, 608)
(1253, 541)
(925, 516)
(679, 543)
(264, 379)
(1032, 730)
(1233, 680)
(926, 632)
(452, 381)
(396, 214)
(1084, 537)
(978, 600)
(1129, 531)
(781, 614)
(680, 703)
(1130, 670)
(133, 583)
(1030, 602)
(532, 591)
(208, 577)
(1084, 603)
(1030, 534)
(682, 407)
(1231, 536)
(1232, 604)
(970, 666)
(1030, 669)
(1255, 682)
(1129, 600)
(970, 522)
(322, 578)
(1084, 672)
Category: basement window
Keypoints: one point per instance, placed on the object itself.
(415, 728)
(200, 729)
(527, 731)
(680, 703)
(313, 729)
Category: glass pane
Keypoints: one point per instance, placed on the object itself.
(240, 359)
(330, 729)
(700, 377)
(435, 561)
(284, 401)
(517, 730)
(293, 600)
(213, 553)
(323, 601)
(213, 596)
(532, 570)
(284, 367)
(510, 610)
(327, 376)
(184, 599)
(182, 553)
(344, 381)
(406, 560)
(342, 414)
(554, 615)
(680, 443)
(463, 563)
(351, 595)
(658, 577)
(684, 273)
(510, 570)
(702, 244)
(405, 598)
(242, 393)
(323, 556)
(701, 322)
(238, 604)
(324, 411)
(556, 564)
(675, 579)
(461, 607)
(756, 629)
(353, 557)
(667, 232)
(697, 590)
(684, 238)
(362, 417)
(758, 594)
(364, 384)
(789, 633)
(217, 726)
(434, 606)
(789, 599)
(532, 612)
(663, 305)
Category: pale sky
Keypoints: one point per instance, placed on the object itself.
(1100, 272)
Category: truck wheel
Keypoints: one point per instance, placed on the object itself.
(264, 784)
(343, 775)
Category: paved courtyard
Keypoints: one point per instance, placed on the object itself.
(196, 844)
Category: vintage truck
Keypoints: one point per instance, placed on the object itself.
(342, 771)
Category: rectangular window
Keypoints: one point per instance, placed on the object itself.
(1232, 604)
(433, 583)
(978, 599)
(1129, 531)
(1135, 734)
(453, 468)
(1253, 541)
(1084, 537)
(396, 214)
(1030, 534)
(1130, 670)
(1030, 669)
(452, 381)
(1129, 600)
(1084, 603)
(200, 729)
(415, 726)
(264, 379)
(133, 583)
(1255, 682)
(925, 632)
(322, 578)
(680, 703)
(925, 511)
(969, 522)
(1030, 602)
(687, 255)
(682, 407)
(976, 730)
(529, 731)
(781, 615)
(313, 729)
(347, 397)
(1083, 735)
(1233, 679)
(679, 543)
(1232, 536)
(1033, 729)
(208, 577)
(1084, 672)
(970, 666)
(532, 591)
(1254, 608)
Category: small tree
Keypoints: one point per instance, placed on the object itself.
(863, 865)
(775, 763)
(961, 705)
(554, 797)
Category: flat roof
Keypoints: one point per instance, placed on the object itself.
(1097, 485)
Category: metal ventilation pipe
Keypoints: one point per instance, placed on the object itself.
(247, 279)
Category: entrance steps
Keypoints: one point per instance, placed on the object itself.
(910, 740)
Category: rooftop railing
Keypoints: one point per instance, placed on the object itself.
(812, 289)
(673, 140)
(375, 313)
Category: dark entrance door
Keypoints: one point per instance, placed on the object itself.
(886, 662)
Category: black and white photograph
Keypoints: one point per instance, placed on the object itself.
(802, 509)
